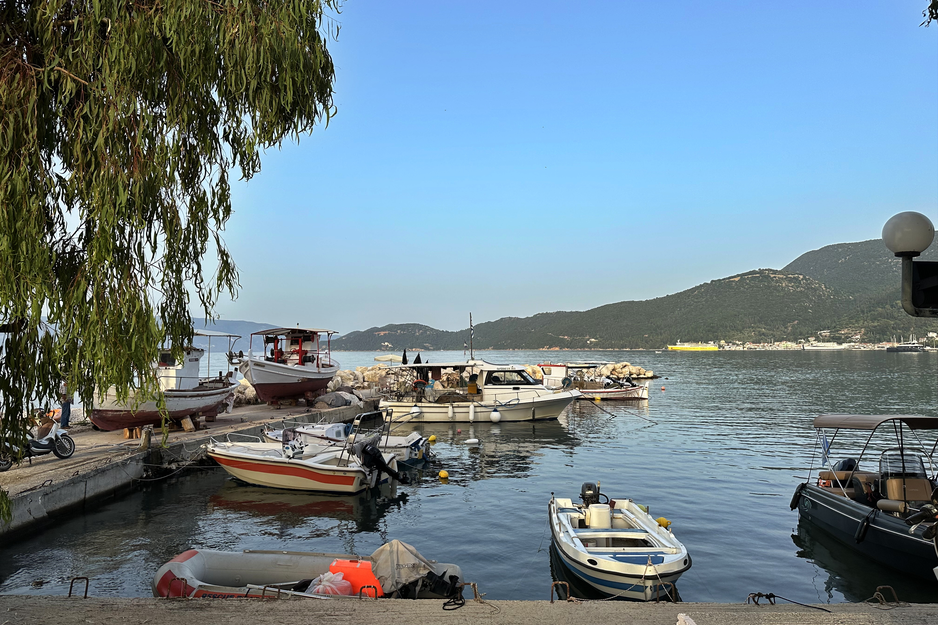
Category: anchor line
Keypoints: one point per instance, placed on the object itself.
(634, 414)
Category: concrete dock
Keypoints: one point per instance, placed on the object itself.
(20, 610)
(106, 464)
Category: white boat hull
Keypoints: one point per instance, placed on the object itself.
(546, 406)
(639, 391)
(111, 414)
(275, 381)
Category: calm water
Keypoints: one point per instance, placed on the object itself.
(718, 452)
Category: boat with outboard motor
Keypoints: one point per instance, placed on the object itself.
(412, 450)
(582, 377)
(182, 388)
(394, 570)
(616, 546)
(291, 464)
(473, 390)
(291, 364)
(886, 509)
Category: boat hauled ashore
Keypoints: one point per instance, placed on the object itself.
(291, 364)
(886, 510)
(183, 390)
(616, 546)
(474, 390)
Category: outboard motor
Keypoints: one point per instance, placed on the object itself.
(589, 493)
(372, 458)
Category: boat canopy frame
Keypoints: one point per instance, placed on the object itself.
(871, 423)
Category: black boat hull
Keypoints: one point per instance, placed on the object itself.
(872, 532)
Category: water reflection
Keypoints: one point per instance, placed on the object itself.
(290, 509)
(841, 570)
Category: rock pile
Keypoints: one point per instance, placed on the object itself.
(245, 395)
(620, 370)
(361, 377)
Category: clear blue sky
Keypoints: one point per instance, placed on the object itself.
(510, 158)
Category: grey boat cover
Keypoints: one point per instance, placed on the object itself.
(397, 564)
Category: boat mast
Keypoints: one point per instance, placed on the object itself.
(471, 332)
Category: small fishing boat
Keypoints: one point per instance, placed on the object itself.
(291, 464)
(184, 391)
(617, 547)
(474, 390)
(582, 377)
(885, 508)
(291, 364)
(394, 570)
(412, 450)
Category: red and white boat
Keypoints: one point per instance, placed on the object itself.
(184, 391)
(291, 364)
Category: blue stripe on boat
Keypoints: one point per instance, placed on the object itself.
(636, 559)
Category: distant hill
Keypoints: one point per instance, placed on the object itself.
(842, 291)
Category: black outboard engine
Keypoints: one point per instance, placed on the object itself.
(589, 493)
(372, 458)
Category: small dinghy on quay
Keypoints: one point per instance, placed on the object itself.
(394, 570)
(617, 547)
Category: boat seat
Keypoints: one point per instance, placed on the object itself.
(608, 530)
(569, 511)
(908, 489)
(843, 476)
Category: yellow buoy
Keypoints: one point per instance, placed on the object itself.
(597, 398)
(444, 474)
(663, 522)
(432, 438)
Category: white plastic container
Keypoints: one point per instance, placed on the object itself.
(600, 516)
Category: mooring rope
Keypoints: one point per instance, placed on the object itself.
(634, 414)
(771, 596)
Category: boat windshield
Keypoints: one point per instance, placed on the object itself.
(509, 378)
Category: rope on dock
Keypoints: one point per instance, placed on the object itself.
(771, 596)
(882, 603)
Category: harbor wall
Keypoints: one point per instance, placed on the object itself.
(72, 488)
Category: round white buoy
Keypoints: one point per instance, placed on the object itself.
(496, 416)
(472, 441)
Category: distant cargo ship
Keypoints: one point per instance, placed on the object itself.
(693, 347)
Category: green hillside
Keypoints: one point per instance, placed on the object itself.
(833, 293)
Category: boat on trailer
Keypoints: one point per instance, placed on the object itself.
(616, 546)
(291, 364)
(473, 390)
(394, 570)
(184, 391)
(885, 508)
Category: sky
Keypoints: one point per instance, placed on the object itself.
(511, 158)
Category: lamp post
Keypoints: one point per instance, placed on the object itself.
(907, 235)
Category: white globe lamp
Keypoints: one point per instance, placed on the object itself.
(908, 234)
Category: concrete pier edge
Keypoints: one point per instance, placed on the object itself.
(41, 505)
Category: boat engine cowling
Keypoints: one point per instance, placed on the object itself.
(589, 493)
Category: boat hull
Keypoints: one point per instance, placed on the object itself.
(274, 382)
(639, 391)
(540, 408)
(111, 414)
(886, 540)
(283, 473)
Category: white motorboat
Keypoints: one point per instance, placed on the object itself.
(183, 390)
(580, 377)
(394, 570)
(474, 390)
(617, 547)
(292, 363)
(412, 450)
(291, 464)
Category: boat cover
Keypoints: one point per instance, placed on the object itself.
(397, 564)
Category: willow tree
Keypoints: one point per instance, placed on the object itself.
(121, 122)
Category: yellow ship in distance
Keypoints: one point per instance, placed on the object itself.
(694, 347)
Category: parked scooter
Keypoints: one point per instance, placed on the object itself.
(49, 438)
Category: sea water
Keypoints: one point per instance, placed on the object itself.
(718, 449)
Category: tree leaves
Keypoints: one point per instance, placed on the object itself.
(119, 124)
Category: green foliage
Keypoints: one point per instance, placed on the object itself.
(120, 123)
(847, 289)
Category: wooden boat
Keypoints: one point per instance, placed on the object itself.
(183, 390)
(412, 450)
(885, 509)
(394, 570)
(617, 547)
(473, 390)
(291, 364)
(607, 388)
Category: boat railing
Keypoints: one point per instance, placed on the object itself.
(244, 438)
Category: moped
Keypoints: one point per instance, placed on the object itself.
(49, 438)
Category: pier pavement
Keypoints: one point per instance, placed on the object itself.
(44, 610)
(106, 464)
